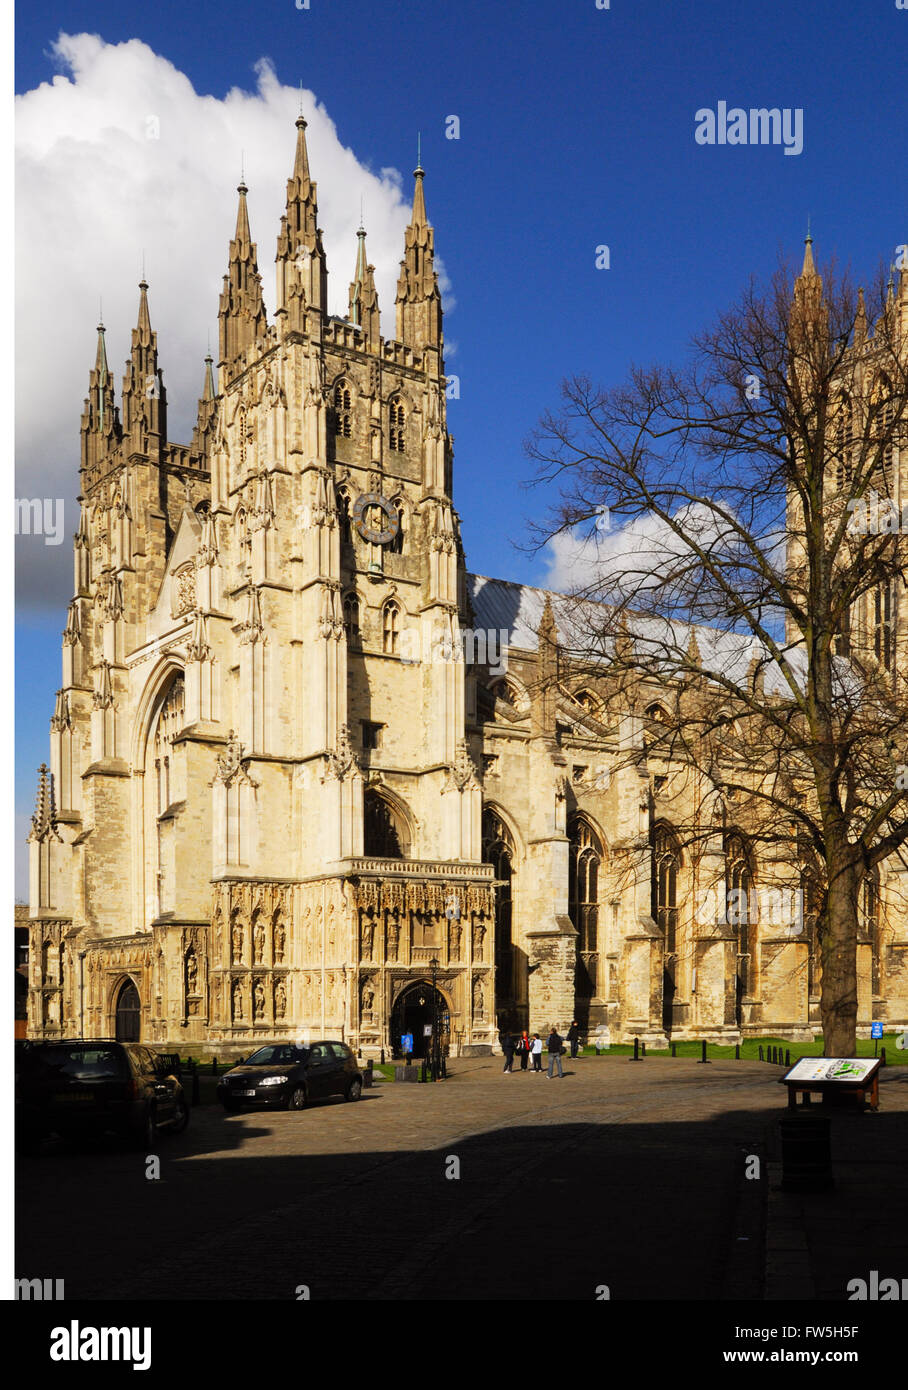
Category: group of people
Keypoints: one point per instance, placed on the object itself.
(526, 1047)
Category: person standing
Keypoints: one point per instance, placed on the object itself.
(523, 1050)
(536, 1053)
(507, 1047)
(573, 1037)
(555, 1044)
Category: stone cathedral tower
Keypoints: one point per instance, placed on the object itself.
(303, 764)
(261, 815)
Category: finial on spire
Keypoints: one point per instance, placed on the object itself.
(301, 97)
(808, 240)
(419, 169)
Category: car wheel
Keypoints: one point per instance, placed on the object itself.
(354, 1090)
(181, 1117)
(297, 1098)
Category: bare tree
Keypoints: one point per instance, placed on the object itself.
(753, 569)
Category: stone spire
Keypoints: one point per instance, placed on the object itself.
(44, 821)
(144, 397)
(860, 320)
(302, 273)
(418, 298)
(241, 314)
(542, 713)
(207, 413)
(364, 296)
(808, 311)
(100, 418)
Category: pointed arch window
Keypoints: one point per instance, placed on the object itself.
(741, 908)
(666, 873)
(843, 436)
(883, 415)
(869, 924)
(811, 907)
(498, 850)
(396, 546)
(352, 621)
(343, 509)
(397, 419)
(382, 831)
(391, 629)
(343, 409)
(883, 626)
(584, 872)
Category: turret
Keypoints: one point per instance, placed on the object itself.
(100, 418)
(363, 299)
(203, 433)
(241, 314)
(144, 397)
(418, 297)
(302, 274)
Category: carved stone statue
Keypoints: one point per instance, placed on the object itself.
(479, 936)
(258, 942)
(192, 974)
(258, 1000)
(279, 940)
(367, 934)
(238, 1011)
(478, 998)
(237, 942)
(393, 938)
(280, 1000)
(368, 1000)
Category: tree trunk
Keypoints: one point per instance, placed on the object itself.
(839, 986)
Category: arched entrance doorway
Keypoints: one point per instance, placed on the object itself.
(413, 1013)
(128, 1024)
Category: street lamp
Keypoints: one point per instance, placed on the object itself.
(435, 1066)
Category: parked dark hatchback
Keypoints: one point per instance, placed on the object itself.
(292, 1076)
(82, 1087)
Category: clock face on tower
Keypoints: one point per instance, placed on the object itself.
(368, 511)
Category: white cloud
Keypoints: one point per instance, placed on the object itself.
(117, 156)
(642, 550)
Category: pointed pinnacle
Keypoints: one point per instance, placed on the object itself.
(144, 318)
(301, 158)
(418, 217)
(209, 392)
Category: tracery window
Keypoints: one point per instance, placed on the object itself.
(391, 629)
(343, 406)
(666, 871)
(396, 422)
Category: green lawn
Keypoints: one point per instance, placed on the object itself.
(750, 1049)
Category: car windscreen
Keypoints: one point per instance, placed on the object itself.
(82, 1063)
(279, 1054)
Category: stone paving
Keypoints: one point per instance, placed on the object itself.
(625, 1175)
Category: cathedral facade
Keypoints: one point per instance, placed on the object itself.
(309, 777)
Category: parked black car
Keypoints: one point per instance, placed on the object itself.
(291, 1076)
(84, 1087)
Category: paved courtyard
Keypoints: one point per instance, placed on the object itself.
(627, 1175)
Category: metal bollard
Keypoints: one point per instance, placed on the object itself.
(643, 1049)
(636, 1056)
(806, 1156)
(423, 1073)
(195, 1082)
(788, 1056)
(703, 1057)
(761, 1052)
(367, 1075)
(382, 1057)
(883, 1056)
(214, 1066)
(674, 1049)
(737, 1052)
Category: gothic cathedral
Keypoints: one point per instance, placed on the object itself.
(309, 777)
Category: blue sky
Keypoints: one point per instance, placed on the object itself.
(576, 130)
